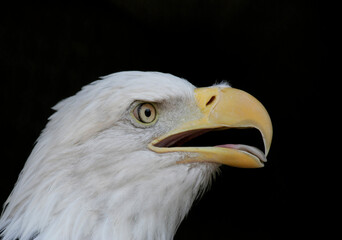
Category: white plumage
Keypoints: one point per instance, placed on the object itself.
(92, 177)
(98, 171)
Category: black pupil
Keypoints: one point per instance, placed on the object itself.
(148, 112)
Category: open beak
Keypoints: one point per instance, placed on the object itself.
(221, 108)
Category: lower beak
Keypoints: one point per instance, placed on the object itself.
(222, 108)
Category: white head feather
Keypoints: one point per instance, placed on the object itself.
(91, 175)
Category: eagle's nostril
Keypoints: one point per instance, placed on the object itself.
(211, 100)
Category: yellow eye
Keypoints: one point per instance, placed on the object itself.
(145, 112)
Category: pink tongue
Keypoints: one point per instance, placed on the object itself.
(252, 150)
(234, 146)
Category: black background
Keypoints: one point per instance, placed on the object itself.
(271, 49)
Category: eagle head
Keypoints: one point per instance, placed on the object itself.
(112, 164)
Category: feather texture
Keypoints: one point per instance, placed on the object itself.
(91, 175)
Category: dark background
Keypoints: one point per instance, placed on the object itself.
(271, 49)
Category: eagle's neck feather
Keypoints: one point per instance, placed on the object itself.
(106, 204)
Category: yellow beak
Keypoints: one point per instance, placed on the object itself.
(221, 108)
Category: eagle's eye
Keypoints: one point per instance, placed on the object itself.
(145, 113)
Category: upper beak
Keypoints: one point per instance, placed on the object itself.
(222, 108)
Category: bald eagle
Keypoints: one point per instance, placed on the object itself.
(111, 163)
